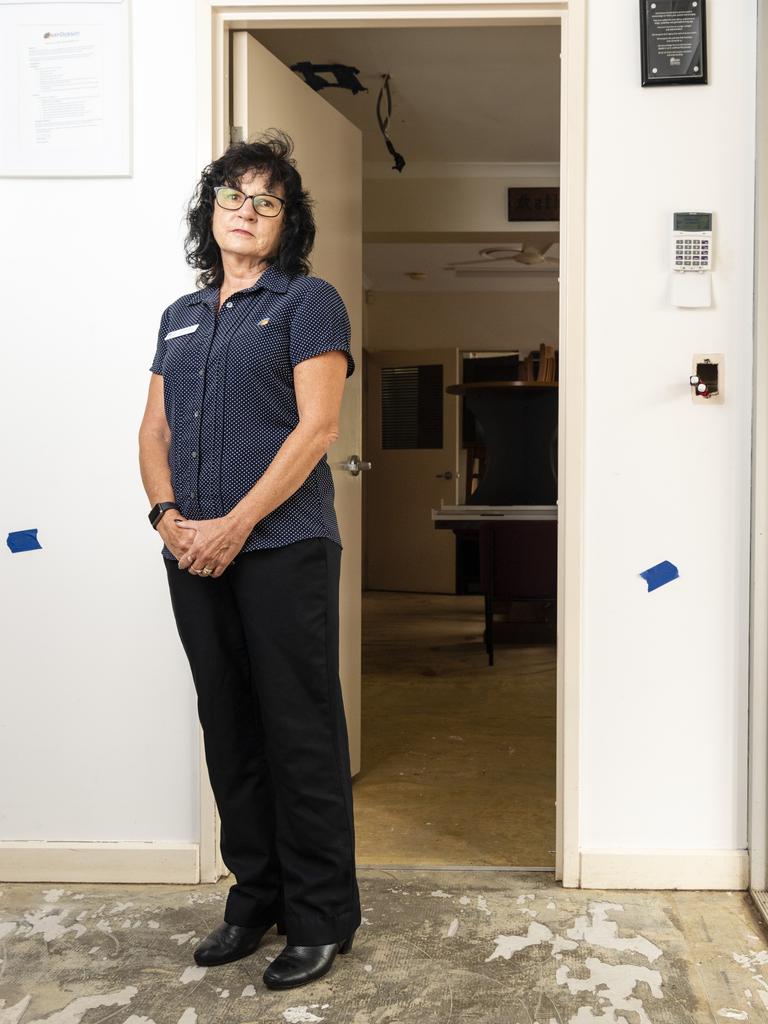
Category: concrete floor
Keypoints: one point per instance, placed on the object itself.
(435, 947)
(458, 758)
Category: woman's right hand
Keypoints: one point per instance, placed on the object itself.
(177, 541)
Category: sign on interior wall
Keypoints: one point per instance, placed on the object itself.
(539, 203)
(673, 42)
(65, 106)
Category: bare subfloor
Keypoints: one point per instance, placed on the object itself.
(435, 947)
(458, 758)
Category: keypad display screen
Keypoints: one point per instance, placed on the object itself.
(693, 222)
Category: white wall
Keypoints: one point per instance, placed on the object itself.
(98, 735)
(664, 736)
(98, 732)
(466, 320)
(469, 203)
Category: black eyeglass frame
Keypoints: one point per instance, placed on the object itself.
(257, 195)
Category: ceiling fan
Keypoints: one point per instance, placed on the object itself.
(516, 252)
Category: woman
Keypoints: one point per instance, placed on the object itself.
(243, 405)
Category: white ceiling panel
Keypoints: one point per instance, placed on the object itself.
(458, 94)
(389, 266)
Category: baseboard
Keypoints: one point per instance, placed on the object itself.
(450, 867)
(179, 863)
(665, 869)
(99, 862)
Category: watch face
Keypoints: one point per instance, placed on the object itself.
(156, 514)
(159, 511)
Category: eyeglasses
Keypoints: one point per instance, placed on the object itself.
(232, 199)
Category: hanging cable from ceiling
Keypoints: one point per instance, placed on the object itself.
(346, 78)
(383, 123)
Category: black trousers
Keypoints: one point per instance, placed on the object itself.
(262, 642)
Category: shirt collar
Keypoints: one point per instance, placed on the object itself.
(273, 278)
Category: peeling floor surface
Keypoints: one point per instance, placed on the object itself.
(435, 947)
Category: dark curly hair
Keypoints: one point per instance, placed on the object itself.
(270, 153)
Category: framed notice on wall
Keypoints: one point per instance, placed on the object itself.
(65, 99)
(673, 42)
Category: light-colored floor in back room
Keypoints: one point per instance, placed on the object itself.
(458, 758)
(435, 947)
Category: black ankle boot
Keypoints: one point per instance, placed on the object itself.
(229, 942)
(297, 965)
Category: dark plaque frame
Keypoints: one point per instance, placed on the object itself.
(682, 73)
(541, 202)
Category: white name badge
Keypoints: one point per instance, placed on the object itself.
(182, 330)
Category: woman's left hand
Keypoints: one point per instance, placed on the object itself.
(215, 545)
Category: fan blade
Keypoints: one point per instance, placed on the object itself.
(487, 262)
(493, 251)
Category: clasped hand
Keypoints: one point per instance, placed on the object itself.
(202, 543)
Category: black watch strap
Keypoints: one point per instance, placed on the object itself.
(158, 510)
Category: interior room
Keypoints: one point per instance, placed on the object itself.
(460, 132)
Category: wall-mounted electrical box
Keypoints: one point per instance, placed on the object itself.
(706, 378)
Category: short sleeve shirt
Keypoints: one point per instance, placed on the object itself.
(230, 400)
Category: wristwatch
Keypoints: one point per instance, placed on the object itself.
(158, 510)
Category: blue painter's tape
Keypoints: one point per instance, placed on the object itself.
(23, 540)
(660, 574)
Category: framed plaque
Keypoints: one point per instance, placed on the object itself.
(673, 42)
(539, 203)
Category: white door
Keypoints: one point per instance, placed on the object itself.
(328, 151)
(412, 439)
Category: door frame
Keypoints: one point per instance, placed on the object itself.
(215, 20)
(757, 807)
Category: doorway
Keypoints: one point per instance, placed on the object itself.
(216, 23)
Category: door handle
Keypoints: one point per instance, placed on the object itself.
(447, 475)
(354, 465)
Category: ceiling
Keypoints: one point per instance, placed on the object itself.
(388, 265)
(459, 95)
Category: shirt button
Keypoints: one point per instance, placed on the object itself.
(197, 412)
(201, 372)
(229, 305)
(193, 495)
(194, 455)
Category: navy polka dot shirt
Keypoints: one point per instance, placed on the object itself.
(230, 400)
